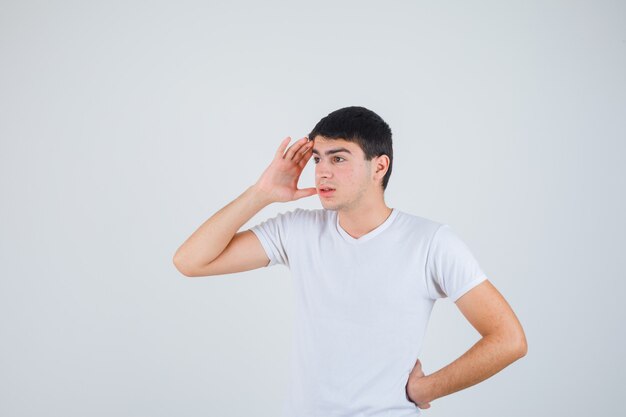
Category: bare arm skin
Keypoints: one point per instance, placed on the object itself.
(216, 247)
(214, 235)
(503, 342)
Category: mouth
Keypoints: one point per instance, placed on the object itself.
(326, 192)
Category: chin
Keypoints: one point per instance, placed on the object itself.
(329, 206)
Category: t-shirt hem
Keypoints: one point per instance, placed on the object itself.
(468, 286)
(267, 247)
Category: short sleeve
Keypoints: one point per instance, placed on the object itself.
(273, 234)
(451, 268)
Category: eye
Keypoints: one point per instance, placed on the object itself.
(316, 159)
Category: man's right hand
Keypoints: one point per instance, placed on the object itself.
(279, 181)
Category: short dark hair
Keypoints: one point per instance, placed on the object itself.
(362, 126)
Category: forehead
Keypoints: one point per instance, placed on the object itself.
(321, 145)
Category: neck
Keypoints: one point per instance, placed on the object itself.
(362, 220)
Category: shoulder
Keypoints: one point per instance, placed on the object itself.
(300, 216)
(311, 215)
(417, 224)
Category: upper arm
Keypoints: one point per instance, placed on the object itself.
(487, 310)
(243, 253)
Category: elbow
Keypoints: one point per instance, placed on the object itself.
(180, 266)
(191, 270)
(513, 346)
(519, 345)
(523, 347)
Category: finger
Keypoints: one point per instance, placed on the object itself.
(293, 151)
(306, 157)
(303, 152)
(294, 148)
(283, 145)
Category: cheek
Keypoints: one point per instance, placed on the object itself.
(347, 174)
(356, 180)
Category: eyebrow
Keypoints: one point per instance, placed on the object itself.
(332, 151)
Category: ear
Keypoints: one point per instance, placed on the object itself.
(380, 164)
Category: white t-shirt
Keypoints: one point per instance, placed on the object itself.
(362, 306)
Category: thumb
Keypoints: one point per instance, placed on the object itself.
(305, 192)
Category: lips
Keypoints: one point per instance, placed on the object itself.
(326, 194)
(326, 188)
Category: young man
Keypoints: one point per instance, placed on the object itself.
(365, 276)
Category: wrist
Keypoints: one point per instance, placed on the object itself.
(259, 195)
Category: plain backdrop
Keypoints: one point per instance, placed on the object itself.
(126, 124)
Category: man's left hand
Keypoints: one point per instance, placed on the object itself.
(415, 387)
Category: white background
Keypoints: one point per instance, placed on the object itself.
(125, 124)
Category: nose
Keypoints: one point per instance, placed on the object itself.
(322, 170)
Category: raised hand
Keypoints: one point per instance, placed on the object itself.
(279, 181)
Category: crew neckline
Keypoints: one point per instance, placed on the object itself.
(371, 234)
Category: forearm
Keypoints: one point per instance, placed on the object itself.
(212, 237)
(485, 358)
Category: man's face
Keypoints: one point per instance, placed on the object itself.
(341, 165)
